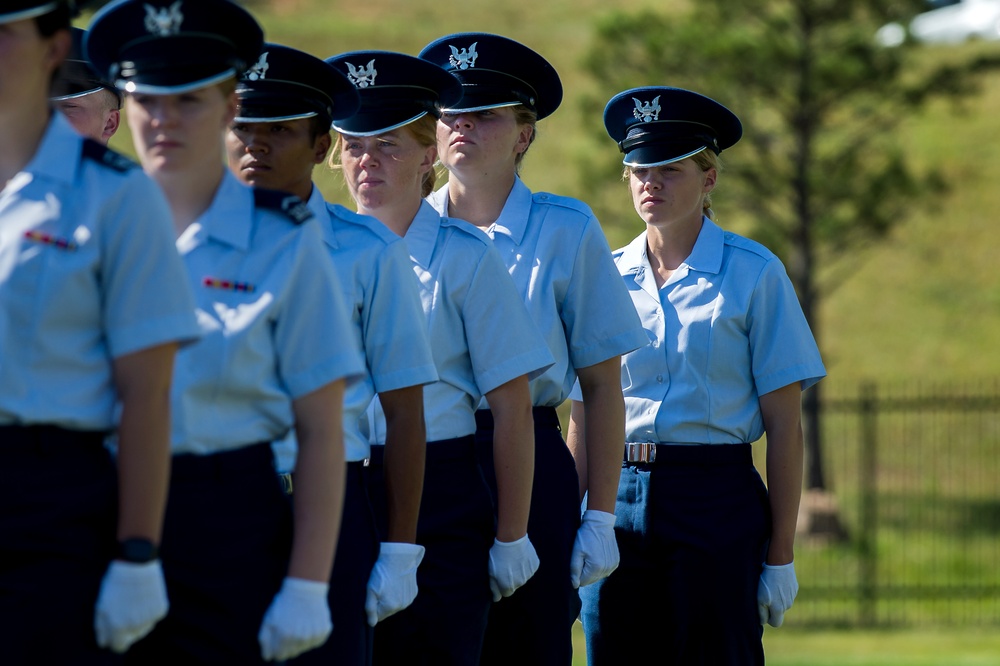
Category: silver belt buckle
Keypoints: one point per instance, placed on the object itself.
(640, 452)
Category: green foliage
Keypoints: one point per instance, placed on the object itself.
(821, 171)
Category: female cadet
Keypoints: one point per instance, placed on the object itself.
(730, 354)
(245, 586)
(93, 303)
(387, 152)
(282, 131)
(560, 261)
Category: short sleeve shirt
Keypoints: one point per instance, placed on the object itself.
(387, 320)
(557, 255)
(481, 335)
(273, 318)
(88, 273)
(725, 329)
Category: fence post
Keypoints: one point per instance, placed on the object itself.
(868, 546)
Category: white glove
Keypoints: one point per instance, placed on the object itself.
(133, 598)
(392, 585)
(776, 592)
(511, 565)
(298, 620)
(595, 551)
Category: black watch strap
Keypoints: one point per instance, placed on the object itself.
(138, 551)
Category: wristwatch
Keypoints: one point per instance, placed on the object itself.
(137, 551)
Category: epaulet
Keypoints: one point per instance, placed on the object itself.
(289, 205)
(97, 151)
(562, 202)
(749, 245)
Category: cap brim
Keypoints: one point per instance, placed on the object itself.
(25, 14)
(373, 123)
(651, 156)
(261, 116)
(167, 85)
(75, 95)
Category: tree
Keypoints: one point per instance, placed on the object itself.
(822, 171)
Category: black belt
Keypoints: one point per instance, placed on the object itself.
(545, 417)
(223, 464)
(649, 453)
(457, 448)
(39, 441)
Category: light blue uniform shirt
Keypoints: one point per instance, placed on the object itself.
(274, 323)
(480, 332)
(388, 324)
(559, 259)
(88, 273)
(725, 329)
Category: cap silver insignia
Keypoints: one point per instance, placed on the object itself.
(463, 58)
(166, 21)
(362, 77)
(259, 70)
(647, 111)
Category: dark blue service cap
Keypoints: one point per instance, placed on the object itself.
(77, 77)
(288, 84)
(163, 47)
(21, 10)
(395, 89)
(658, 125)
(496, 71)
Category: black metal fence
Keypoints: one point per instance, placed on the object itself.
(909, 530)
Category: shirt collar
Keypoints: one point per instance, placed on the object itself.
(422, 235)
(229, 219)
(705, 257)
(52, 160)
(324, 214)
(513, 220)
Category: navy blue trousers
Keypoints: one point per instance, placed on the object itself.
(350, 644)
(227, 538)
(535, 624)
(445, 624)
(58, 519)
(692, 531)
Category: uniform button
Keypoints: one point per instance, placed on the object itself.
(659, 379)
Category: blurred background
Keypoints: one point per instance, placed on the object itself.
(870, 164)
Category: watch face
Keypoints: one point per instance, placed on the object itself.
(137, 550)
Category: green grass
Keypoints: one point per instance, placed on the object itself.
(797, 647)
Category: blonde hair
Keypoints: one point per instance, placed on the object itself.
(525, 116)
(423, 129)
(705, 160)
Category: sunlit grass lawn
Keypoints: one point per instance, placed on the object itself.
(911, 647)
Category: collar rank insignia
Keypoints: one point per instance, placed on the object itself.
(463, 58)
(647, 111)
(166, 21)
(259, 70)
(362, 77)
